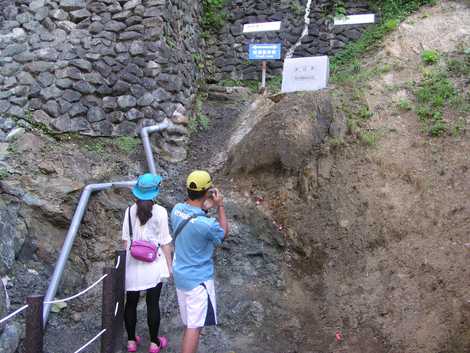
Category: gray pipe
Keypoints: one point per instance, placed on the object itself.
(144, 134)
(80, 212)
(70, 237)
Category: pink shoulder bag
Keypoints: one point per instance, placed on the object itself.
(140, 249)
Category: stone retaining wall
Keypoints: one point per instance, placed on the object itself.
(229, 49)
(102, 68)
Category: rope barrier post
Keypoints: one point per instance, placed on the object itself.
(34, 340)
(120, 292)
(108, 307)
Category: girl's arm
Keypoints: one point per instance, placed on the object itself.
(167, 250)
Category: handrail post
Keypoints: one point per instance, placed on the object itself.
(107, 307)
(34, 340)
(120, 292)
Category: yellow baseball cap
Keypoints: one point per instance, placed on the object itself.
(199, 180)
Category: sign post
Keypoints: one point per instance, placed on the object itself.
(263, 74)
(264, 52)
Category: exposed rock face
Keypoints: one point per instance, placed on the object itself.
(3, 303)
(288, 133)
(82, 63)
(229, 50)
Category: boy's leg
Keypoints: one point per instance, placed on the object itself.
(190, 340)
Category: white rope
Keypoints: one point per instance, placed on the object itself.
(118, 262)
(116, 309)
(90, 341)
(13, 314)
(78, 294)
(291, 51)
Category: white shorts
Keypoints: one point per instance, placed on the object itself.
(198, 306)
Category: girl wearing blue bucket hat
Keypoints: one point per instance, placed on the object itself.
(148, 242)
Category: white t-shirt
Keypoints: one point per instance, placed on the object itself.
(142, 275)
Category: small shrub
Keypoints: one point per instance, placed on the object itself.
(365, 113)
(430, 57)
(368, 138)
(296, 8)
(433, 94)
(96, 146)
(126, 144)
(4, 174)
(214, 15)
(199, 121)
(404, 104)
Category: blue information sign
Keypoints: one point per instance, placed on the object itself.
(264, 51)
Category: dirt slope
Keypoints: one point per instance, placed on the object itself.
(378, 235)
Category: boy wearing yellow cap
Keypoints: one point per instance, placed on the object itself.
(196, 236)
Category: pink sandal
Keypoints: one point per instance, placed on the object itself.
(163, 344)
(132, 347)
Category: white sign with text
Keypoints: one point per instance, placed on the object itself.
(354, 19)
(305, 74)
(262, 27)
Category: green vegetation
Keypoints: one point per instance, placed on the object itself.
(430, 57)
(392, 13)
(404, 104)
(126, 144)
(4, 173)
(199, 121)
(96, 145)
(296, 8)
(369, 138)
(340, 9)
(433, 95)
(214, 16)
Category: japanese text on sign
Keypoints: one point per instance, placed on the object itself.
(305, 74)
(262, 27)
(264, 52)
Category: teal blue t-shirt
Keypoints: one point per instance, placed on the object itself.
(194, 246)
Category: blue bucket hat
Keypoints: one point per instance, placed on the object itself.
(147, 186)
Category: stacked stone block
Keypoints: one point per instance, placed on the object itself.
(229, 50)
(106, 67)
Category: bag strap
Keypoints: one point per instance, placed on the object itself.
(130, 222)
(182, 225)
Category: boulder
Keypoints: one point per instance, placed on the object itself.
(287, 134)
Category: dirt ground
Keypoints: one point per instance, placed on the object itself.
(355, 248)
(378, 236)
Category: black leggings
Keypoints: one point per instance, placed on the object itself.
(153, 312)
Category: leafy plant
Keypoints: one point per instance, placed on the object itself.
(404, 104)
(369, 138)
(365, 113)
(340, 9)
(296, 8)
(126, 144)
(430, 57)
(274, 84)
(199, 121)
(214, 15)
(99, 147)
(433, 94)
(4, 174)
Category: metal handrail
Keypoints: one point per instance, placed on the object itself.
(80, 212)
